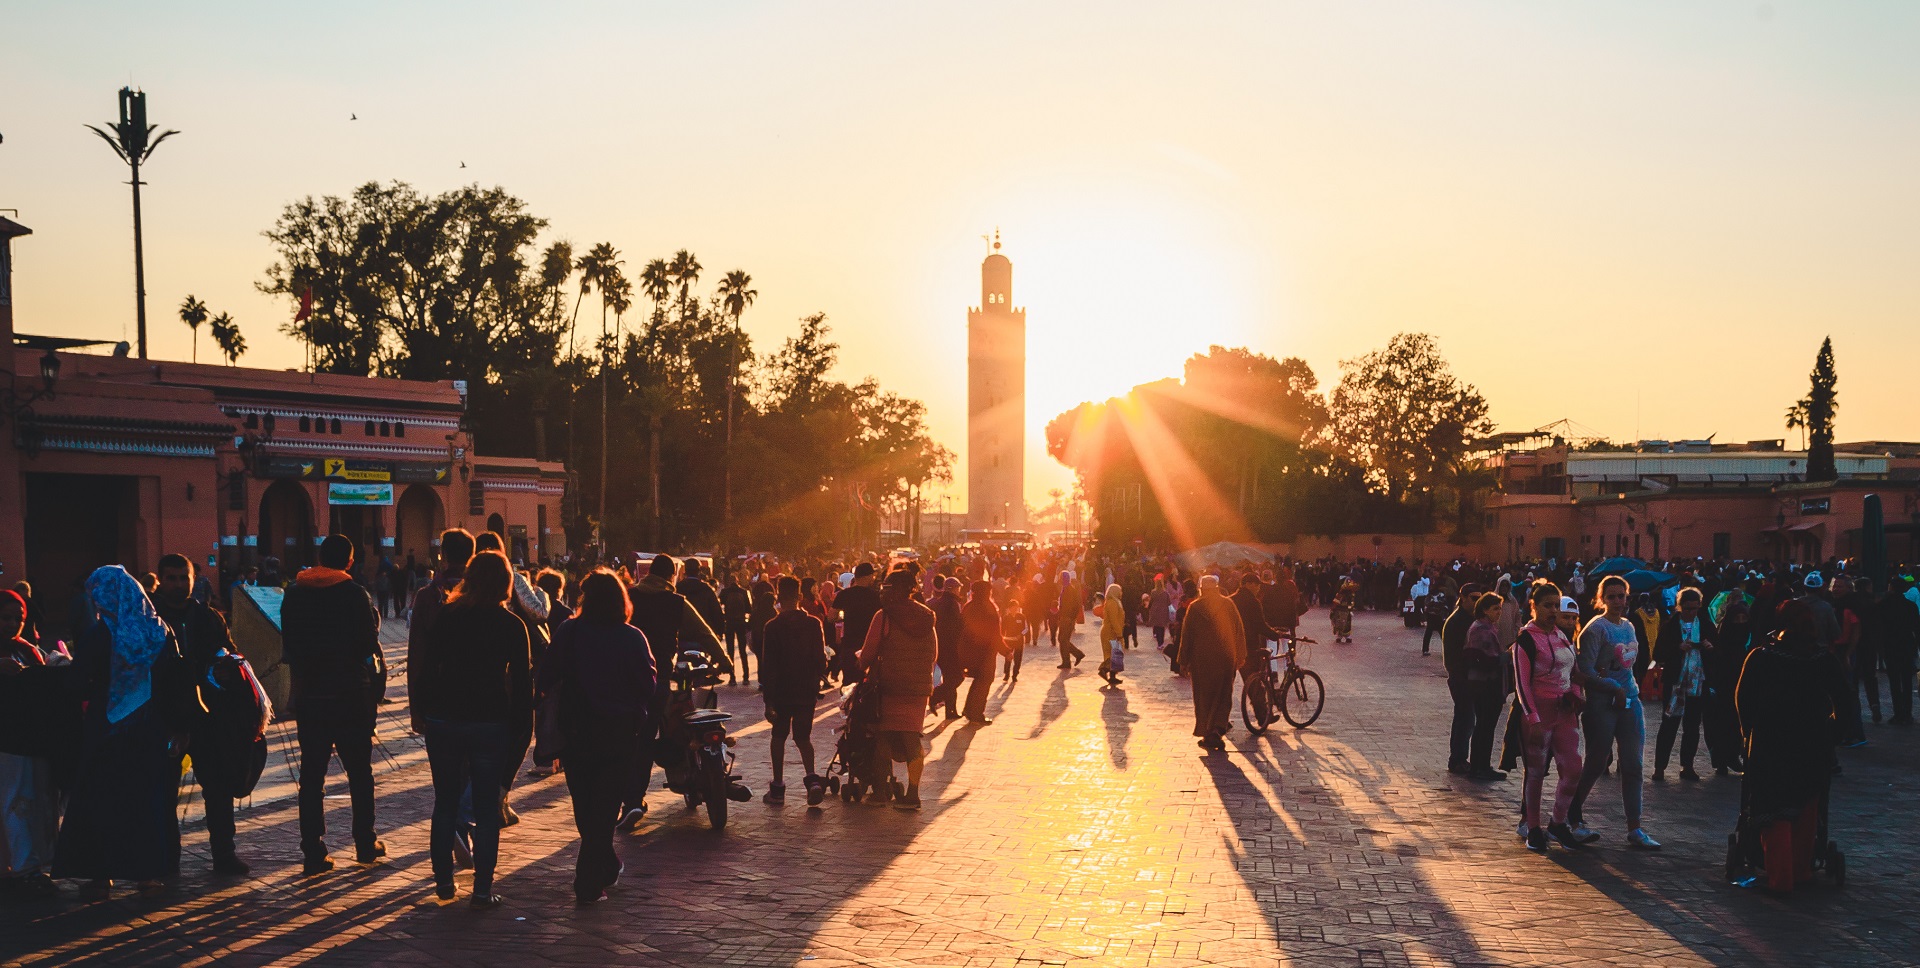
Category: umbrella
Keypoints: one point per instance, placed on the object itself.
(1643, 580)
(1616, 566)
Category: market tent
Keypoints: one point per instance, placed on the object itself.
(1225, 554)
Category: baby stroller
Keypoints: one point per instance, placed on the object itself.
(1745, 860)
(851, 774)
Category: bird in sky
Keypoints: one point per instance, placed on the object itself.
(463, 164)
(353, 117)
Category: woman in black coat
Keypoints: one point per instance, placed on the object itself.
(1786, 707)
(472, 684)
(979, 648)
(599, 677)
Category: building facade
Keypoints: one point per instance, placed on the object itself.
(996, 401)
(115, 460)
(1699, 500)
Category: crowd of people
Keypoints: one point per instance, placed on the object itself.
(571, 673)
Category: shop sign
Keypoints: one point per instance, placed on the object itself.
(420, 473)
(1816, 505)
(341, 493)
(339, 469)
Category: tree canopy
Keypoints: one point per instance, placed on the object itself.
(455, 286)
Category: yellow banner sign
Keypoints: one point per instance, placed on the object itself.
(340, 470)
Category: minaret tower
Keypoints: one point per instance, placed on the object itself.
(996, 400)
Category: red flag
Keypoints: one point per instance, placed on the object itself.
(306, 305)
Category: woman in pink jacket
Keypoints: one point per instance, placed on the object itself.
(1543, 669)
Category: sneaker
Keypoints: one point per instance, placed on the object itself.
(486, 901)
(1584, 834)
(1521, 831)
(316, 866)
(776, 795)
(376, 851)
(1659, 776)
(1458, 769)
(1638, 839)
(1564, 834)
(1536, 840)
(1688, 774)
(909, 802)
(816, 790)
(631, 822)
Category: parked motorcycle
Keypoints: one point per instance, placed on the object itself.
(695, 752)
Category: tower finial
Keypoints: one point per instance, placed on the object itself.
(996, 238)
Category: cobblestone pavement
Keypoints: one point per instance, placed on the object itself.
(1082, 828)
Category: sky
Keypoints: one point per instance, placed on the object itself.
(1641, 216)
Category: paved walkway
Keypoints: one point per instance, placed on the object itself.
(1082, 828)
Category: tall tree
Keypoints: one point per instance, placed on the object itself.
(736, 294)
(1816, 411)
(226, 335)
(684, 269)
(1400, 413)
(193, 312)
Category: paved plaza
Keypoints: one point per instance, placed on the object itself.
(1082, 828)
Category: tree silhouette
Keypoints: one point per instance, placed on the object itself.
(1400, 413)
(226, 335)
(193, 312)
(1816, 411)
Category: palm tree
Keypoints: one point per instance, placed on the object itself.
(615, 294)
(656, 283)
(133, 140)
(226, 335)
(685, 269)
(556, 266)
(193, 312)
(736, 294)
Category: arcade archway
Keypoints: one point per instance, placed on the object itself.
(418, 520)
(286, 526)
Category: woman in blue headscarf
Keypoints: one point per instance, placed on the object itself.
(121, 824)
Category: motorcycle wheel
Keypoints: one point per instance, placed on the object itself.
(715, 781)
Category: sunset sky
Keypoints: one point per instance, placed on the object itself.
(1643, 216)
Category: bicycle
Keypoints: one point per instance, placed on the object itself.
(1301, 693)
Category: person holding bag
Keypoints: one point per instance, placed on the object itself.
(1550, 701)
(1113, 635)
(899, 651)
(1680, 651)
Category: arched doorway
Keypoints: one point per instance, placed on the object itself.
(418, 521)
(497, 525)
(286, 527)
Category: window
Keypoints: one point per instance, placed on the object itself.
(306, 424)
(1723, 545)
(386, 429)
(370, 428)
(399, 429)
(253, 421)
(336, 425)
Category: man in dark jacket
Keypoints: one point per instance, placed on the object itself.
(857, 604)
(1896, 630)
(1253, 621)
(331, 635)
(1453, 644)
(670, 623)
(736, 609)
(793, 660)
(203, 637)
(947, 628)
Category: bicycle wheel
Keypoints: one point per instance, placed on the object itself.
(1303, 698)
(1256, 705)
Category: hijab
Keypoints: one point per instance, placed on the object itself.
(138, 635)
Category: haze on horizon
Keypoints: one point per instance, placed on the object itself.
(1638, 216)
